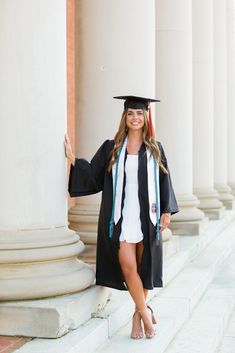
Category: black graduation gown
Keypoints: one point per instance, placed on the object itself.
(88, 178)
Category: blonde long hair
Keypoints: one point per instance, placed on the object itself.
(150, 143)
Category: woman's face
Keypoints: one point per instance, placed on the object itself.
(135, 119)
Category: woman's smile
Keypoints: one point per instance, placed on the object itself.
(135, 123)
(135, 118)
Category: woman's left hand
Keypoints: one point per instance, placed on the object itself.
(165, 221)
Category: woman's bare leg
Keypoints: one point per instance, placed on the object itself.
(139, 254)
(128, 263)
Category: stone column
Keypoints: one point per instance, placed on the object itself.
(38, 253)
(203, 110)
(116, 56)
(174, 118)
(221, 104)
(231, 91)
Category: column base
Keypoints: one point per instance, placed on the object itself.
(216, 213)
(226, 196)
(89, 254)
(51, 318)
(190, 220)
(189, 227)
(39, 263)
(230, 204)
(210, 203)
(83, 218)
(232, 186)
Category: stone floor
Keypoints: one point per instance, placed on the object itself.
(9, 344)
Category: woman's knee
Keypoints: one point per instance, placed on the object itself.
(127, 258)
(129, 268)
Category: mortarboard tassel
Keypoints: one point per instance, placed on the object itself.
(151, 128)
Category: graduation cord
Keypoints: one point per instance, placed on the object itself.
(157, 204)
(111, 222)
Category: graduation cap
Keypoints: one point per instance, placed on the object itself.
(140, 103)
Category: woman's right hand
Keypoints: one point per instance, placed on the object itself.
(68, 149)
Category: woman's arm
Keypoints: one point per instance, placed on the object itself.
(86, 178)
(68, 150)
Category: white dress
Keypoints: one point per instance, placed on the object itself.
(131, 226)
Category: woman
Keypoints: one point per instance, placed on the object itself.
(137, 202)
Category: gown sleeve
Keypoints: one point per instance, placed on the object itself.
(86, 178)
(168, 203)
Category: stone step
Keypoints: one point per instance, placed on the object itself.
(171, 247)
(191, 246)
(51, 317)
(224, 286)
(205, 330)
(227, 344)
(106, 327)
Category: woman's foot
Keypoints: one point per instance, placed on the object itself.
(146, 315)
(137, 329)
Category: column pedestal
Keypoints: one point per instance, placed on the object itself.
(83, 219)
(52, 317)
(232, 186)
(226, 195)
(209, 203)
(190, 220)
(38, 263)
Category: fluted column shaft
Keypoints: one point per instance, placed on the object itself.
(174, 118)
(203, 109)
(38, 253)
(231, 91)
(221, 104)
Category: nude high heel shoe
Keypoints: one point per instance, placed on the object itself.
(154, 320)
(136, 334)
(147, 315)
